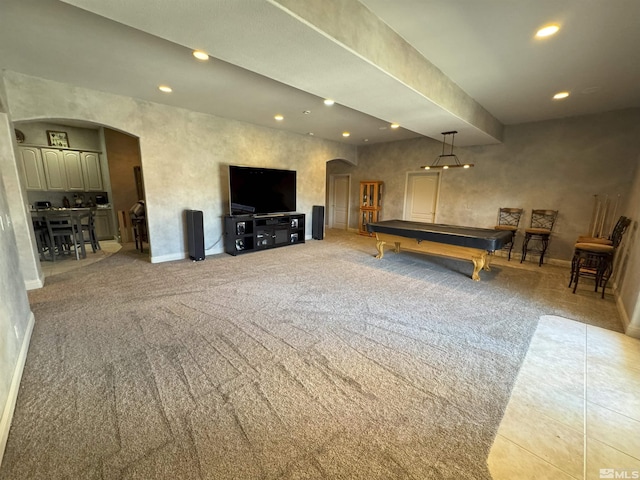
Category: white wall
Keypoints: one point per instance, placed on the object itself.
(16, 319)
(628, 264)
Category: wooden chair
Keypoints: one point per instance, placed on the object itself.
(594, 258)
(539, 232)
(89, 235)
(64, 235)
(509, 219)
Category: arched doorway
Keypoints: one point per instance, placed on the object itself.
(113, 188)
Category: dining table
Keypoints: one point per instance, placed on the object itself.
(50, 220)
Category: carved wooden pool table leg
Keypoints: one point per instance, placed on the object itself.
(478, 264)
(487, 262)
(380, 248)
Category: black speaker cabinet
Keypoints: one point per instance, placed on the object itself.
(317, 222)
(195, 234)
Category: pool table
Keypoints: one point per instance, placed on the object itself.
(466, 243)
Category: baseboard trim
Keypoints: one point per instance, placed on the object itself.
(169, 258)
(629, 329)
(9, 407)
(35, 284)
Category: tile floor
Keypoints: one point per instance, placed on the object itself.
(574, 411)
(67, 263)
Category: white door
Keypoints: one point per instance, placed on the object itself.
(421, 197)
(340, 201)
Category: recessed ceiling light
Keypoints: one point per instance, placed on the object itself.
(394, 125)
(306, 112)
(560, 95)
(311, 134)
(328, 101)
(200, 55)
(279, 117)
(345, 134)
(547, 31)
(165, 89)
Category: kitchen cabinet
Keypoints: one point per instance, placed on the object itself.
(60, 170)
(63, 170)
(91, 172)
(31, 168)
(104, 230)
(73, 170)
(54, 170)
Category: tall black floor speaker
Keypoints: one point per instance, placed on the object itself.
(195, 234)
(317, 222)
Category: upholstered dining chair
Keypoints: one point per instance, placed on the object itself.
(536, 237)
(509, 219)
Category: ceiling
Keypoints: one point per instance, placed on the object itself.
(272, 57)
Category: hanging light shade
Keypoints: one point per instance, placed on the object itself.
(447, 160)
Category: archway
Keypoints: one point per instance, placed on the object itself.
(119, 159)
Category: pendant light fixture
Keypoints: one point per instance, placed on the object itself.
(450, 160)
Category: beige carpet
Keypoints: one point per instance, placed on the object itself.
(314, 361)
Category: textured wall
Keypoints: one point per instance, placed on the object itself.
(18, 208)
(628, 263)
(79, 138)
(184, 154)
(558, 164)
(15, 313)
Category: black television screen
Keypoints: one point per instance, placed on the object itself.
(257, 191)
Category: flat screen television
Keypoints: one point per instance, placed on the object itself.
(261, 191)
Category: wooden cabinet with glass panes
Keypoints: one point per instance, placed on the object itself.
(370, 205)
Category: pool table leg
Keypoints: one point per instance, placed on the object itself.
(487, 262)
(478, 264)
(380, 248)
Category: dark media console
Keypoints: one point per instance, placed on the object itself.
(248, 233)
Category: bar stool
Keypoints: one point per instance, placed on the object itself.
(137, 215)
(542, 222)
(596, 260)
(509, 219)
